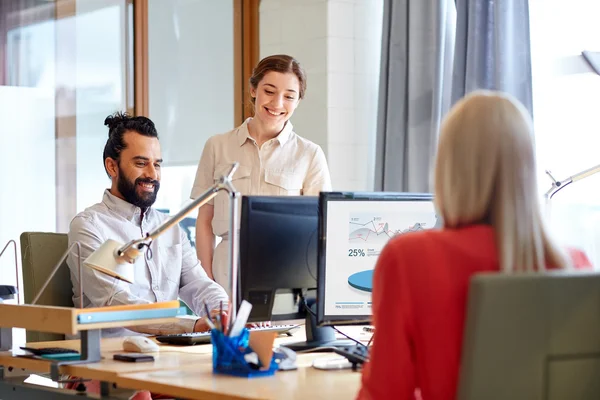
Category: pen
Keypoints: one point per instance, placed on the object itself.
(208, 316)
(230, 322)
(221, 316)
(210, 323)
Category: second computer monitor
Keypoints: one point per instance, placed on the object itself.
(353, 229)
(278, 254)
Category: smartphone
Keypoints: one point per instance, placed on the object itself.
(134, 357)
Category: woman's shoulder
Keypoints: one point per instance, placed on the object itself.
(304, 143)
(225, 138)
(226, 135)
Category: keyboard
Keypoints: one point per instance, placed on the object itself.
(188, 339)
(49, 350)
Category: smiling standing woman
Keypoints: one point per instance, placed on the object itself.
(273, 159)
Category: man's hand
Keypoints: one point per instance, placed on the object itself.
(202, 326)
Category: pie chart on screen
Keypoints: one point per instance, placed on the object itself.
(362, 281)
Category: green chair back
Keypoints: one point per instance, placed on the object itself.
(40, 251)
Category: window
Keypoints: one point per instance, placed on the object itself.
(63, 68)
(566, 95)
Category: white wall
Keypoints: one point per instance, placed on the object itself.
(339, 44)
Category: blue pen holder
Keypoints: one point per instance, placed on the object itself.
(228, 356)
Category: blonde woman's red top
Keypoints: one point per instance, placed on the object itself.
(420, 287)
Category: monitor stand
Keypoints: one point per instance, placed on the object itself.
(318, 338)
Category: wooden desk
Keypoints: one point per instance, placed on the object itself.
(169, 357)
(186, 371)
(198, 382)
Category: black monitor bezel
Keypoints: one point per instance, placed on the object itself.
(248, 204)
(324, 198)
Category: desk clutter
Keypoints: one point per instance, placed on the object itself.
(239, 352)
(194, 338)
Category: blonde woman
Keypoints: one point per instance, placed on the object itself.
(486, 193)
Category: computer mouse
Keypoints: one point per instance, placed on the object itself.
(139, 344)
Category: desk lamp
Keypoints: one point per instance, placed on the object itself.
(115, 259)
(559, 185)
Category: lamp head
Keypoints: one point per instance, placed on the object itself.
(109, 260)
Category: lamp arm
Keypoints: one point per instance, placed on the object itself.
(198, 202)
(558, 185)
(57, 266)
(586, 173)
(132, 250)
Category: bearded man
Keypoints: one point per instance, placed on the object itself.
(170, 268)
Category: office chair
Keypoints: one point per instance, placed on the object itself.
(533, 337)
(40, 251)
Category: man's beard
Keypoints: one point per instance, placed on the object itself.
(129, 191)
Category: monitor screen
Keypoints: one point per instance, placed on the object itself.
(278, 255)
(353, 229)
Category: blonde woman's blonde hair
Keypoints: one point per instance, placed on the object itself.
(485, 172)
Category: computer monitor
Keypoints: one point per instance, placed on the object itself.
(278, 259)
(353, 229)
(278, 254)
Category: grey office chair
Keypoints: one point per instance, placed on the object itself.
(532, 337)
(40, 251)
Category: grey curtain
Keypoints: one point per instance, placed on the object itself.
(433, 53)
(493, 48)
(415, 90)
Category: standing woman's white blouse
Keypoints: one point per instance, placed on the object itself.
(287, 165)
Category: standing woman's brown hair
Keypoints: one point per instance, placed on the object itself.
(281, 63)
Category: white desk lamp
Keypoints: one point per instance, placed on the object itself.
(559, 185)
(115, 259)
